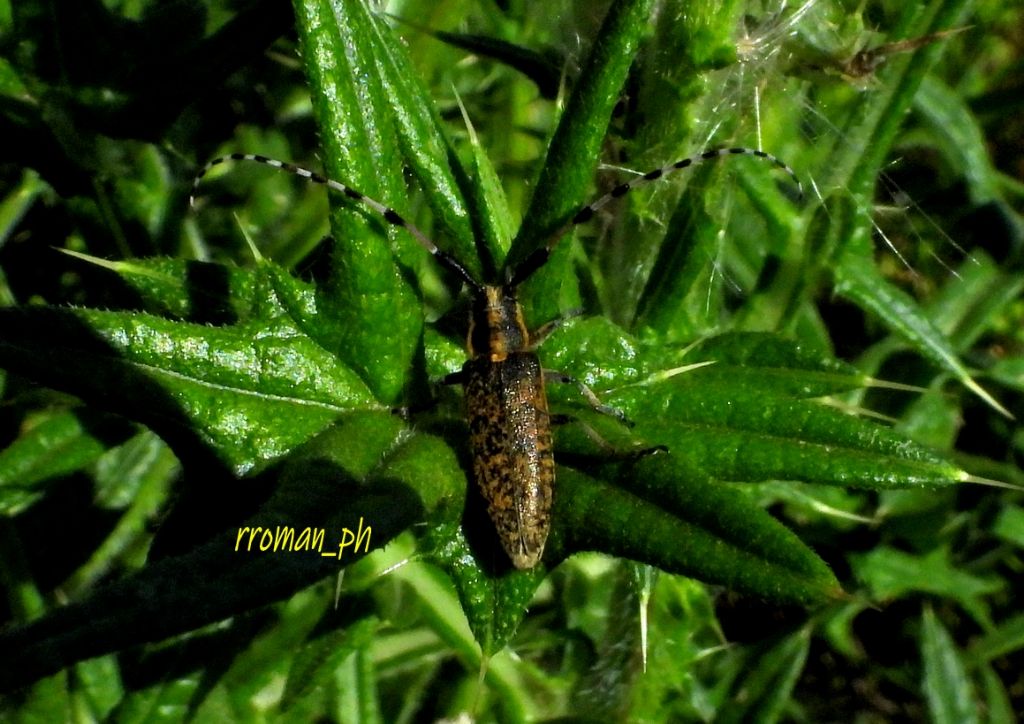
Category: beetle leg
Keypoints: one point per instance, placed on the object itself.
(542, 332)
(558, 418)
(588, 394)
(406, 412)
(453, 378)
(608, 450)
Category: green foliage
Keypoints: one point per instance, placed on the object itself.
(178, 386)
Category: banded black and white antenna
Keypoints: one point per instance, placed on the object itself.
(522, 271)
(536, 260)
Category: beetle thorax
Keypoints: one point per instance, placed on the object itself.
(496, 326)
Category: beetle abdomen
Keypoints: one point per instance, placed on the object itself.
(510, 437)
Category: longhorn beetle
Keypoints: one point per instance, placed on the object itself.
(503, 381)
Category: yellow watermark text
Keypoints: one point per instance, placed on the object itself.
(288, 539)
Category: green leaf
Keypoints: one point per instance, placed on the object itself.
(1009, 525)
(737, 418)
(784, 366)
(681, 299)
(52, 446)
(358, 689)
(491, 213)
(998, 707)
(717, 534)
(947, 688)
(856, 163)
(733, 432)
(196, 291)
(681, 630)
(817, 502)
(858, 154)
(311, 677)
(16, 204)
(426, 150)
(1009, 372)
(1000, 641)
(11, 84)
(494, 602)
(565, 178)
(962, 139)
(974, 300)
(251, 392)
(764, 693)
(441, 608)
(122, 471)
(372, 318)
(607, 691)
(47, 700)
(247, 664)
(858, 278)
(164, 701)
(890, 574)
(363, 472)
(544, 69)
(145, 467)
(100, 685)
